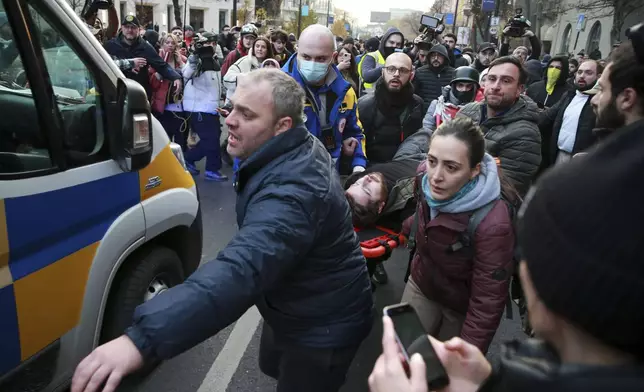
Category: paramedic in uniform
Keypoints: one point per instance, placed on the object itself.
(296, 257)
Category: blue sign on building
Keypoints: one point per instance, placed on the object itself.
(305, 10)
(449, 19)
(347, 26)
(330, 21)
(488, 6)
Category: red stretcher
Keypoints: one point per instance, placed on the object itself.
(377, 244)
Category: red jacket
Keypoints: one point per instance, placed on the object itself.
(160, 88)
(474, 280)
(233, 56)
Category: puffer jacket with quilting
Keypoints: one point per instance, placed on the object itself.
(513, 137)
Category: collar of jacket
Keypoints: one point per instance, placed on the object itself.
(533, 365)
(272, 149)
(339, 86)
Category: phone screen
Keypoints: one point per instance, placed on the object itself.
(429, 21)
(409, 332)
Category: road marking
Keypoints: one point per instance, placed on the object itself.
(226, 363)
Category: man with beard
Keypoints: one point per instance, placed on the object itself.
(370, 66)
(455, 56)
(619, 103)
(130, 46)
(432, 77)
(567, 127)
(485, 55)
(389, 116)
(509, 122)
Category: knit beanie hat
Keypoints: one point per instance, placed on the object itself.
(582, 236)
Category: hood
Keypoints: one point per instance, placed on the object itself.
(383, 40)
(448, 97)
(565, 72)
(152, 37)
(534, 68)
(240, 47)
(372, 44)
(483, 189)
(440, 49)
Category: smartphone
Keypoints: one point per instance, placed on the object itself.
(409, 331)
(429, 21)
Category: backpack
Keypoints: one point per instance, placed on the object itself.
(467, 239)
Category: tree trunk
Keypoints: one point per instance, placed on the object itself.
(177, 13)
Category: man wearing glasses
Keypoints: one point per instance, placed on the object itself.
(390, 115)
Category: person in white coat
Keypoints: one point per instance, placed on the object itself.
(260, 51)
(202, 81)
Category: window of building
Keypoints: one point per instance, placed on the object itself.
(196, 19)
(594, 37)
(565, 43)
(222, 19)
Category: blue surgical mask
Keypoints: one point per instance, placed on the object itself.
(311, 71)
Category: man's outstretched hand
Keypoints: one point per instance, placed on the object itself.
(105, 367)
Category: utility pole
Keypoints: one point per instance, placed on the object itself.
(455, 17)
(234, 22)
(328, 7)
(299, 20)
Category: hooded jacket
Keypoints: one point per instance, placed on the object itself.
(535, 71)
(296, 257)
(429, 82)
(201, 92)
(243, 65)
(371, 64)
(471, 280)
(513, 137)
(538, 93)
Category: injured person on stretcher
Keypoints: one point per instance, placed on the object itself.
(383, 194)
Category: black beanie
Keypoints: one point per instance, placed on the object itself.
(582, 235)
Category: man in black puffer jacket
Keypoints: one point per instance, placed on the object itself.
(432, 77)
(509, 121)
(296, 257)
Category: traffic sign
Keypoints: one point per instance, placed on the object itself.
(305, 10)
(347, 26)
(449, 19)
(494, 30)
(494, 21)
(330, 20)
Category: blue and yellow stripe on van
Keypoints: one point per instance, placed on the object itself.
(47, 244)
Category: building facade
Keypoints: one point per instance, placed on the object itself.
(290, 9)
(211, 15)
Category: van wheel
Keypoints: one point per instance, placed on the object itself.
(146, 275)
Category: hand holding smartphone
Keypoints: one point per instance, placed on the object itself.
(412, 338)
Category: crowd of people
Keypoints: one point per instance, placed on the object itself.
(448, 140)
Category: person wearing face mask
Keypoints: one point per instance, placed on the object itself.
(331, 103)
(370, 66)
(248, 35)
(462, 90)
(432, 77)
(548, 92)
(567, 127)
(484, 56)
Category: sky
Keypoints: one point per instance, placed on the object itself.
(361, 9)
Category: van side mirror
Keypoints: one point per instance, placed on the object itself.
(136, 126)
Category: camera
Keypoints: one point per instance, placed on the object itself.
(92, 6)
(430, 26)
(518, 24)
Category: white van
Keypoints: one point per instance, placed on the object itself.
(97, 211)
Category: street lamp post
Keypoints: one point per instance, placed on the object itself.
(299, 20)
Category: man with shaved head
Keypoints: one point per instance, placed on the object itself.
(389, 116)
(330, 102)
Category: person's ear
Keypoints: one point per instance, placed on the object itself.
(475, 171)
(626, 99)
(283, 125)
(411, 76)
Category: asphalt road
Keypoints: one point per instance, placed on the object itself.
(227, 362)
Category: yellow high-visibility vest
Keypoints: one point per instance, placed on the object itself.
(379, 61)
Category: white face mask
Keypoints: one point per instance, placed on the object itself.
(311, 71)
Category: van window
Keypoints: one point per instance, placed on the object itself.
(76, 92)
